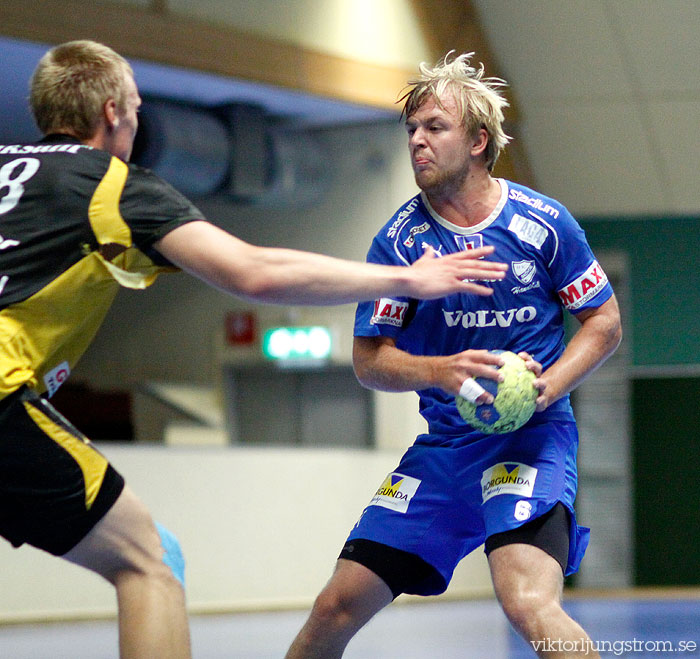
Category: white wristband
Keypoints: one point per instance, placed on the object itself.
(471, 390)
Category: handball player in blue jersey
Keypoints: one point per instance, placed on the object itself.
(457, 488)
(77, 223)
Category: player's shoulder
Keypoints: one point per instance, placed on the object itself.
(537, 218)
(142, 172)
(143, 184)
(532, 203)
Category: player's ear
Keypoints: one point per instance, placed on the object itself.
(110, 114)
(479, 142)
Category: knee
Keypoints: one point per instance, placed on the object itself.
(334, 609)
(525, 608)
(126, 545)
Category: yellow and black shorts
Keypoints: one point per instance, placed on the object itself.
(54, 485)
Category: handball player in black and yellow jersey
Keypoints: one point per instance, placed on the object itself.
(77, 222)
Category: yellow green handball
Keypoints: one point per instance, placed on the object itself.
(514, 398)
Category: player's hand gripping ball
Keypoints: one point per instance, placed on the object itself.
(514, 398)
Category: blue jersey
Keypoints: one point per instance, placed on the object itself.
(551, 268)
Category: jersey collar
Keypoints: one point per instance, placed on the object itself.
(477, 227)
(59, 138)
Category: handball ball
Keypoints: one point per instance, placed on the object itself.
(514, 398)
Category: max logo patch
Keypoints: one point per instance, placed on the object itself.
(388, 312)
(586, 287)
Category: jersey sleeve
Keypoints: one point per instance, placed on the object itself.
(152, 208)
(576, 275)
(385, 316)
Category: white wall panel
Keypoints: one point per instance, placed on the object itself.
(585, 154)
(260, 528)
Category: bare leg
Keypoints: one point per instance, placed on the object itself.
(351, 597)
(528, 584)
(124, 548)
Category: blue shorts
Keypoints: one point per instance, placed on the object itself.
(441, 503)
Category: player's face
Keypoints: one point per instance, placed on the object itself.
(128, 122)
(438, 145)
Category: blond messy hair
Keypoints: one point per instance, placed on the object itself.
(479, 99)
(71, 84)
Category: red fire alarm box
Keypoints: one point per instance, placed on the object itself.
(240, 328)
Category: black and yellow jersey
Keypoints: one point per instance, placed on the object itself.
(75, 224)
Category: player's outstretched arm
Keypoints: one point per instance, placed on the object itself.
(276, 275)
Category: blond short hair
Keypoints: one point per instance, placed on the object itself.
(71, 84)
(479, 99)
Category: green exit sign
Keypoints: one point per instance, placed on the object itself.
(297, 343)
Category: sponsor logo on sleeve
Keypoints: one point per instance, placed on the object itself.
(388, 312)
(508, 478)
(396, 492)
(583, 289)
(56, 377)
(528, 230)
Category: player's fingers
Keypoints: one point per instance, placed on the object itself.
(477, 289)
(489, 371)
(478, 268)
(531, 363)
(486, 357)
(472, 272)
(477, 253)
(481, 265)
